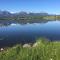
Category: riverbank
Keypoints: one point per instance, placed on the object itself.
(42, 49)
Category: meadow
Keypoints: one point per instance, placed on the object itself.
(42, 49)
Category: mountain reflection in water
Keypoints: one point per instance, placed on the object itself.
(12, 32)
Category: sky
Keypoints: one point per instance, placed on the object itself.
(49, 6)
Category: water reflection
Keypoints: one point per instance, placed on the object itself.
(13, 32)
(6, 22)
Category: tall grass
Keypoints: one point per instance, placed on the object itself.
(45, 50)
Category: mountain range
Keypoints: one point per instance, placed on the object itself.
(9, 14)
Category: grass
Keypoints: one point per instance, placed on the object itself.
(44, 50)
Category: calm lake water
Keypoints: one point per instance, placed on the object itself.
(12, 32)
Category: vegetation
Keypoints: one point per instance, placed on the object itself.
(5, 15)
(44, 50)
(31, 18)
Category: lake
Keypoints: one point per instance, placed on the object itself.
(13, 32)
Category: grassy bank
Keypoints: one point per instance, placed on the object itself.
(31, 18)
(41, 50)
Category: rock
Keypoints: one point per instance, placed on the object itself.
(35, 45)
(1, 49)
(26, 45)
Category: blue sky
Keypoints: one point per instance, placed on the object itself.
(50, 6)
